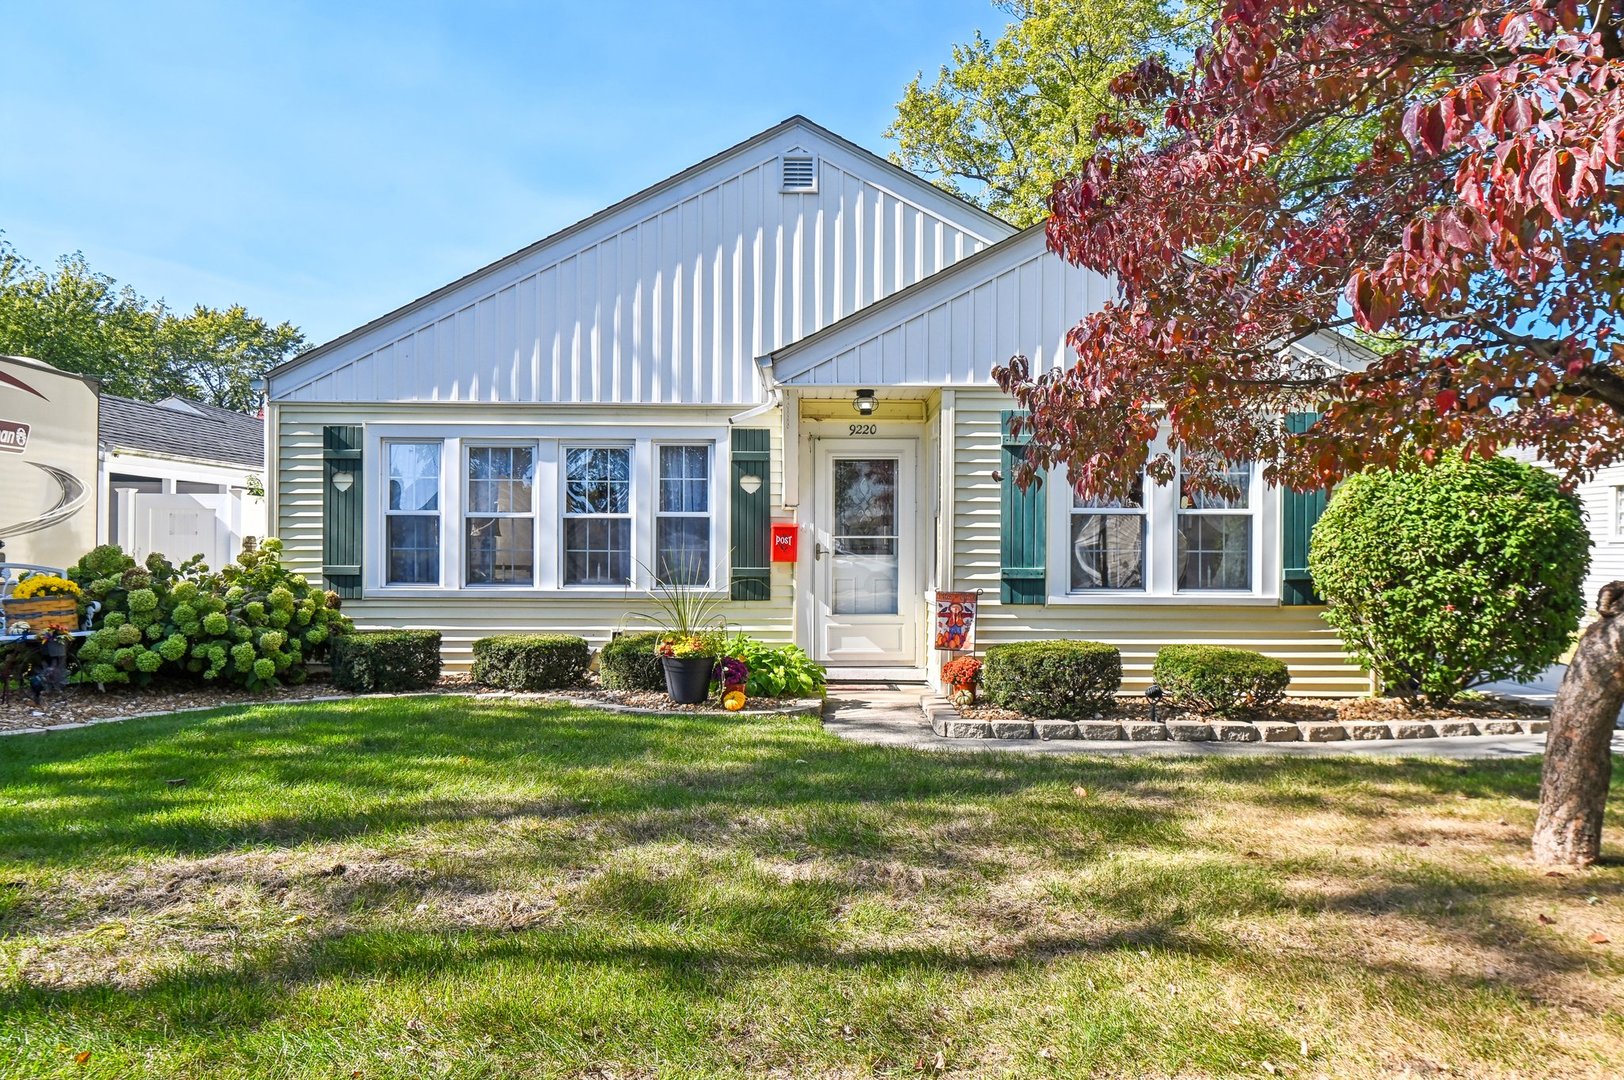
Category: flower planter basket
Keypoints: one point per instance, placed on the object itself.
(688, 678)
(44, 612)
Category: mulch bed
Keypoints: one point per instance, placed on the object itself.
(1309, 711)
(653, 699)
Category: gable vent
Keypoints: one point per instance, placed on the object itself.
(800, 172)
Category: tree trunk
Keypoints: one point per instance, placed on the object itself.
(1578, 750)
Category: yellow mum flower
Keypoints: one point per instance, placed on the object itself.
(44, 585)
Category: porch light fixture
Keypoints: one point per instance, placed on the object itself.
(864, 403)
(342, 481)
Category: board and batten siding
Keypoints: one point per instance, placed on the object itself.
(1297, 635)
(1018, 298)
(464, 616)
(670, 300)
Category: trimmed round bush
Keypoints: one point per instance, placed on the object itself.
(384, 660)
(1445, 577)
(1218, 680)
(629, 662)
(1060, 679)
(531, 661)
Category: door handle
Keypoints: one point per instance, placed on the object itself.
(819, 551)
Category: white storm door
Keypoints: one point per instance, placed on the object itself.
(866, 603)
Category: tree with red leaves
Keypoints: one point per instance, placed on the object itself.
(1441, 179)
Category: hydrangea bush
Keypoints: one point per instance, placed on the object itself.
(254, 624)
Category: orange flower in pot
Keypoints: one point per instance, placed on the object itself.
(961, 676)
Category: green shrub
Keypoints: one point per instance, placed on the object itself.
(1062, 679)
(1445, 577)
(777, 670)
(1213, 679)
(158, 620)
(386, 660)
(629, 662)
(531, 661)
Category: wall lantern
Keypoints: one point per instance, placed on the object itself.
(342, 481)
(864, 403)
(749, 483)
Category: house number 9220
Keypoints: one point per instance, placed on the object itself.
(863, 429)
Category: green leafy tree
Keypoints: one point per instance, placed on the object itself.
(220, 352)
(1009, 116)
(80, 321)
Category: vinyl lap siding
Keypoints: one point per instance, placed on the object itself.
(462, 618)
(1297, 635)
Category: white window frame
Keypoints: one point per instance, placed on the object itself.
(386, 513)
(1250, 510)
(1141, 512)
(711, 498)
(634, 492)
(466, 511)
(549, 436)
(1161, 550)
(1618, 512)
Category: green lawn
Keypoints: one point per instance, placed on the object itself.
(437, 887)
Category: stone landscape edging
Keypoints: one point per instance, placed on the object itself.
(802, 707)
(946, 722)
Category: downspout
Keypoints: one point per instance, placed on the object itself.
(775, 397)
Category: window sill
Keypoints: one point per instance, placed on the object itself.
(1205, 599)
(520, 592)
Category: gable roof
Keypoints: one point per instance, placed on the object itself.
(1015, 297)
(992, 228)
(184, 428)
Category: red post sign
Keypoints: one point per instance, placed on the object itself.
(786, 542)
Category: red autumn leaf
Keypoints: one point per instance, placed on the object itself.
(1546, 920)
(1599, 938)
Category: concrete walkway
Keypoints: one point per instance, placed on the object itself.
(889, 715)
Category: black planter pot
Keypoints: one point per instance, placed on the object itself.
(688, 678)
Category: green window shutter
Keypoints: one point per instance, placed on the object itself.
(751, 514)
(1299, 513)
(1023, 527)
(341, 510)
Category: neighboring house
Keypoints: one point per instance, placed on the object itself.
(180, 477)
(1603, 499)
(794, 332)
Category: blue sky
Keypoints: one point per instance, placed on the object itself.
(324, 163)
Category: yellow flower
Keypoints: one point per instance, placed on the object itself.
(44, 585)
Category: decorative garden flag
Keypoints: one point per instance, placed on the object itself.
(955, 619)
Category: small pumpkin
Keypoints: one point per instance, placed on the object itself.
(733, 700)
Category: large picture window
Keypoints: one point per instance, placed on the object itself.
(1108, 542)
(499, 538)
(1215, 535)
(597, 515)
(412, 517)
(682, 521)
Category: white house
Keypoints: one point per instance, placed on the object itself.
(794, 332)
(179, 477)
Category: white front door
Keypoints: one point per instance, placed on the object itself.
(864, 552)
